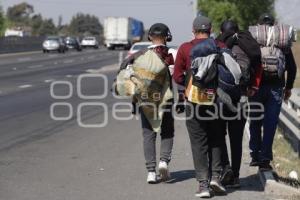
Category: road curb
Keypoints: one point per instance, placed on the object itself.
(274, 188)
(270, 185)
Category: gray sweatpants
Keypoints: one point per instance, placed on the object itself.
(167, 135)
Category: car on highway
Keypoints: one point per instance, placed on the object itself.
(137, 47)
(54, 43)
(73, 43)
(90, 42)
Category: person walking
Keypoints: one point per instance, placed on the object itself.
(158, 118)
(205, 138)
(272, 91)
(246, 51)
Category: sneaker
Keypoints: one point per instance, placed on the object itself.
(227, 177)
(203, 190)
(265, 166)
(254, 163)
(163, 171)
(151, 178)
(235, 183)
(217, 186)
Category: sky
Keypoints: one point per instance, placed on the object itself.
(177, 14)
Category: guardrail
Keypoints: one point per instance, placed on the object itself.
(20, 44)
(289, 120)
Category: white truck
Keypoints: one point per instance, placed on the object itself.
(121, 31)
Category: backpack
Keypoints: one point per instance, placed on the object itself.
(145, 78)
(216, 74)
(273, 62)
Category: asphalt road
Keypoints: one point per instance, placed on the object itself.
(48, 159)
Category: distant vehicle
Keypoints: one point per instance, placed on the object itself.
(18, 32)
(122, 32)
(73, 43)
(54, 43)
(90, 42)
(137, 47)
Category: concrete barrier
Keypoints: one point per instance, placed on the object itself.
(289, 120)
(20, 44)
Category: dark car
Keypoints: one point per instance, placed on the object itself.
(73, 43)
(54, 43)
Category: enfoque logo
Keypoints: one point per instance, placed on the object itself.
(122, 110)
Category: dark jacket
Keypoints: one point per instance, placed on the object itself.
(243, 55)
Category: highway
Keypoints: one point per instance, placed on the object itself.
(56, 158)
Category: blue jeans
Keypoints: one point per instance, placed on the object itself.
(271, 99)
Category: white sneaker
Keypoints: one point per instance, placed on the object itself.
(151, 178)
(163, 171)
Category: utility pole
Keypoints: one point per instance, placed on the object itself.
(195, 8)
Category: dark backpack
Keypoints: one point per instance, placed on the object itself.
(218, 76)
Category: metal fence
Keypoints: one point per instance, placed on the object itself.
(20, 44)
(289, 120)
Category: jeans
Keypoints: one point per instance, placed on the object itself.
(149, 144)
(271, 99)
(206, 140)
(235, 130)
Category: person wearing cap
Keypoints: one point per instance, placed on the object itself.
(159, 34)
(205, 138)
(251, 77)
(271, 93)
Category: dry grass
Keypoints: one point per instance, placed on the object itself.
(296, 52)
(285, 159)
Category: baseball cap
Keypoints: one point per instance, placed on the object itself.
(202, 23)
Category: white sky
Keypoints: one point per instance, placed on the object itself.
(177, 14)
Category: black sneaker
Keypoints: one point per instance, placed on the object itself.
(203, 190)
(217, 186)
(227, 176)
(254, 163)
(235, 183)
(265, 166)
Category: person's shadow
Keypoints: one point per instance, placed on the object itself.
(249, 183)
(181, 176)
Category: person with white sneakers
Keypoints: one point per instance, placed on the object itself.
(159, 34)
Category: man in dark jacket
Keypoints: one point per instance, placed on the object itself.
(204, 135)
(234, 123)
(270, 95)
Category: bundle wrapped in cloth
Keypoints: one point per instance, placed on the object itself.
(279, 35)
(148, 81)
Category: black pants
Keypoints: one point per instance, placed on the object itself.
(206, 141)
(235, 129)
(149, 144)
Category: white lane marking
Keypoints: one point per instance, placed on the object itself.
(55, 63)
(24, 59)
(35, 66)
(53, 56)
(49, 80)
(68, 61)
(108, 68)
(14, 68)
(91, 57)
(25, 86)
(69, 76)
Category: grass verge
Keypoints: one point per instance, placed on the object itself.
(285, 160)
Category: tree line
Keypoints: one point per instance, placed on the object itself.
(244, 12)
(23, 15)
